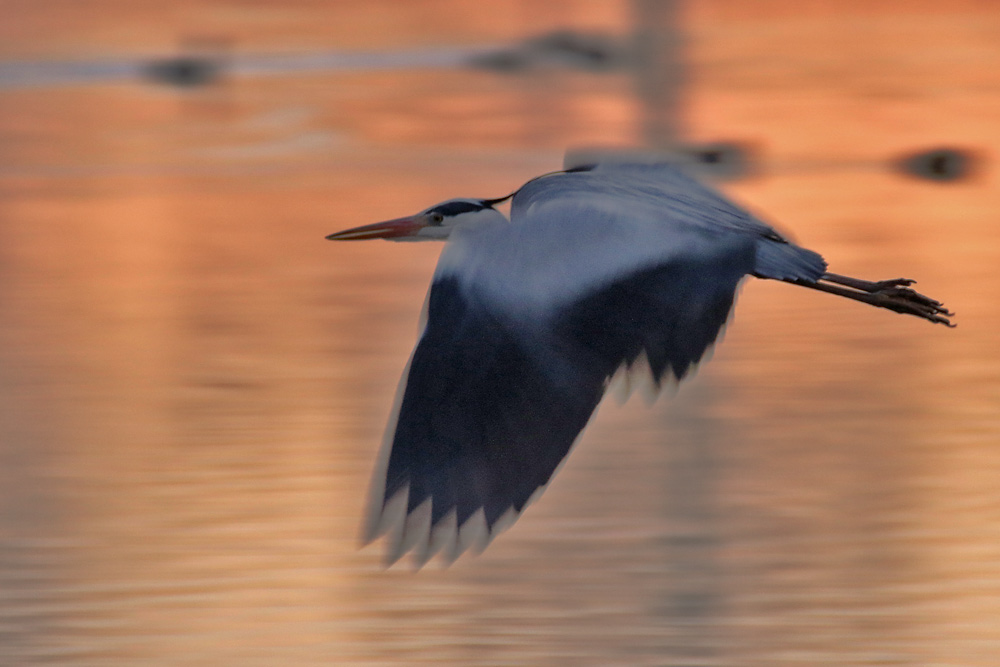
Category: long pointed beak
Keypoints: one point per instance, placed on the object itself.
(390, 229)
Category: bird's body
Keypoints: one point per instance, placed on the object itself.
(597, 269)
(606, 223)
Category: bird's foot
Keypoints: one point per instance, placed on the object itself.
(895, 295)
(898, 296)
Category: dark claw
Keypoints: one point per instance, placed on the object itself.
(897, 296)
(898, 282)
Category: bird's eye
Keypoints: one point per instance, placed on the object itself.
(437, 218)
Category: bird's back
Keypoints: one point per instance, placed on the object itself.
(664, 192)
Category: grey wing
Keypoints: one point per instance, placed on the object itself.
(481, 426)
(670, 193)
(492, 402)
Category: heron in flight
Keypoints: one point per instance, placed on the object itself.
(599, 269)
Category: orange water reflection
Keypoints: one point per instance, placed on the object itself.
(195, 382)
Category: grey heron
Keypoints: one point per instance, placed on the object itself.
(598, 269)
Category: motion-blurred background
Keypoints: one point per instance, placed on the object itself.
(193, 383)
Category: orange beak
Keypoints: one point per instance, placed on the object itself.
(390, 229)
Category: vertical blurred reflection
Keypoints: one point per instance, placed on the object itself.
(659, 71)
(694, 595)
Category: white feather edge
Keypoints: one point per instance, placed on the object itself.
(378, 519)
(638, 376)
(414, 532)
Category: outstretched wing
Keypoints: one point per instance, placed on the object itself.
(499, 387)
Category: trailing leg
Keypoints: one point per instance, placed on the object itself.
(896, 295)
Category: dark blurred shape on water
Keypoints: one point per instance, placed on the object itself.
(939, 164)
(716, 160)
(563, 48)
(185, 71)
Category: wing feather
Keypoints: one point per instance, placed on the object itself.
(492, 403)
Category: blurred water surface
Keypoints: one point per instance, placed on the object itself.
(194, 383)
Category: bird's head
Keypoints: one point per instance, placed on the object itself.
(432, 224)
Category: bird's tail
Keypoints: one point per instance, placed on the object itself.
(781, 260)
